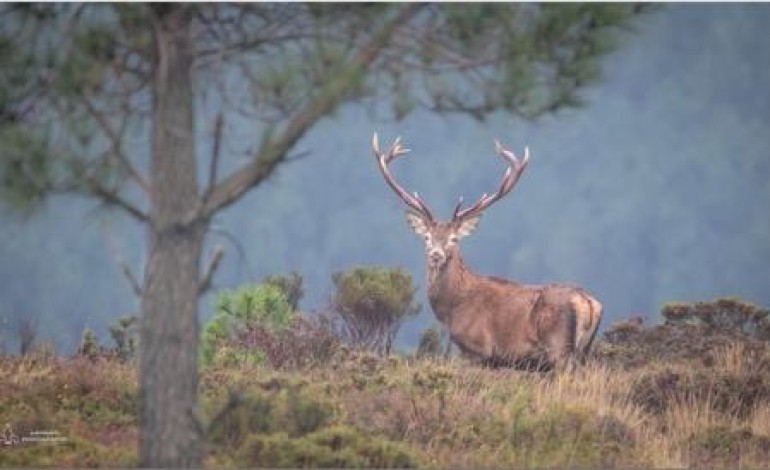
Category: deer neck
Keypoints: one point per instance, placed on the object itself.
(446, 285)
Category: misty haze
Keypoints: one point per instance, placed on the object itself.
(656, 191)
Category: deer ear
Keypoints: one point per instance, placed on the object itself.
(467, 226)
(418, 224)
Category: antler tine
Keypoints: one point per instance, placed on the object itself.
(457, 207)
(510, 178)
(375, 144)
(383, 159)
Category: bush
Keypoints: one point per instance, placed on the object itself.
(257, 325)
(88, 344)
(242, 318)
(726, 316)
(373, 303)
(310, 340)
(430, 343)
(290, 286)
(125, 334)
(690, 332)
(262, 303)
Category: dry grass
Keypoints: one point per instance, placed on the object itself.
(362, 410)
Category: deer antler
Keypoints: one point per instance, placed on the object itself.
(384, 159)
(512, 174)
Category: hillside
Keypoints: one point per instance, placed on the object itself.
(691, 392)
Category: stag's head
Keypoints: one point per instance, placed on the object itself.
(440, 237)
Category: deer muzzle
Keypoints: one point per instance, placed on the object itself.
(436, 257)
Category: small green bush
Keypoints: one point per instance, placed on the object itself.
(89, 344)
(290, 286)
(125, 334)
(430, 342)
(262, 303)
(243, 316)
(373, 302)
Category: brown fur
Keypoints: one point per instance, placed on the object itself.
(502, 322)
(489, 318)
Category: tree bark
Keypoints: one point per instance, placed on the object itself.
(178, 222)
(168, 369)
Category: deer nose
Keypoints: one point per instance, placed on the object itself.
(436, 256)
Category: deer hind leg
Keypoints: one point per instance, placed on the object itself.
(588, 313)
(597, 308)
(561, 343)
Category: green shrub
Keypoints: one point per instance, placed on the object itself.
(430, 342)
(290, 286)
(89, 344)
(125, 334)
(250, 304)
(242, 318)
(373, 302)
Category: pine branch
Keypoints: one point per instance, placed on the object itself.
(111, 197)
(115, 143)
(274, 152)
(216, 152)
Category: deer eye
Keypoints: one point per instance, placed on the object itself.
(453, 239)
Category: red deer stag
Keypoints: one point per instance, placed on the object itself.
(497, 321)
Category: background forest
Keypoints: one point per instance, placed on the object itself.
(656, 191)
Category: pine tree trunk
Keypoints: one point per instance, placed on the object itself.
(168, 374)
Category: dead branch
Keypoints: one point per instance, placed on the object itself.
(205, 283)
(130, 277)
(238, 248)
(28, 328)
(133, 281)
(216, 151)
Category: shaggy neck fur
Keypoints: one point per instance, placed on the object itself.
(447, 284)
